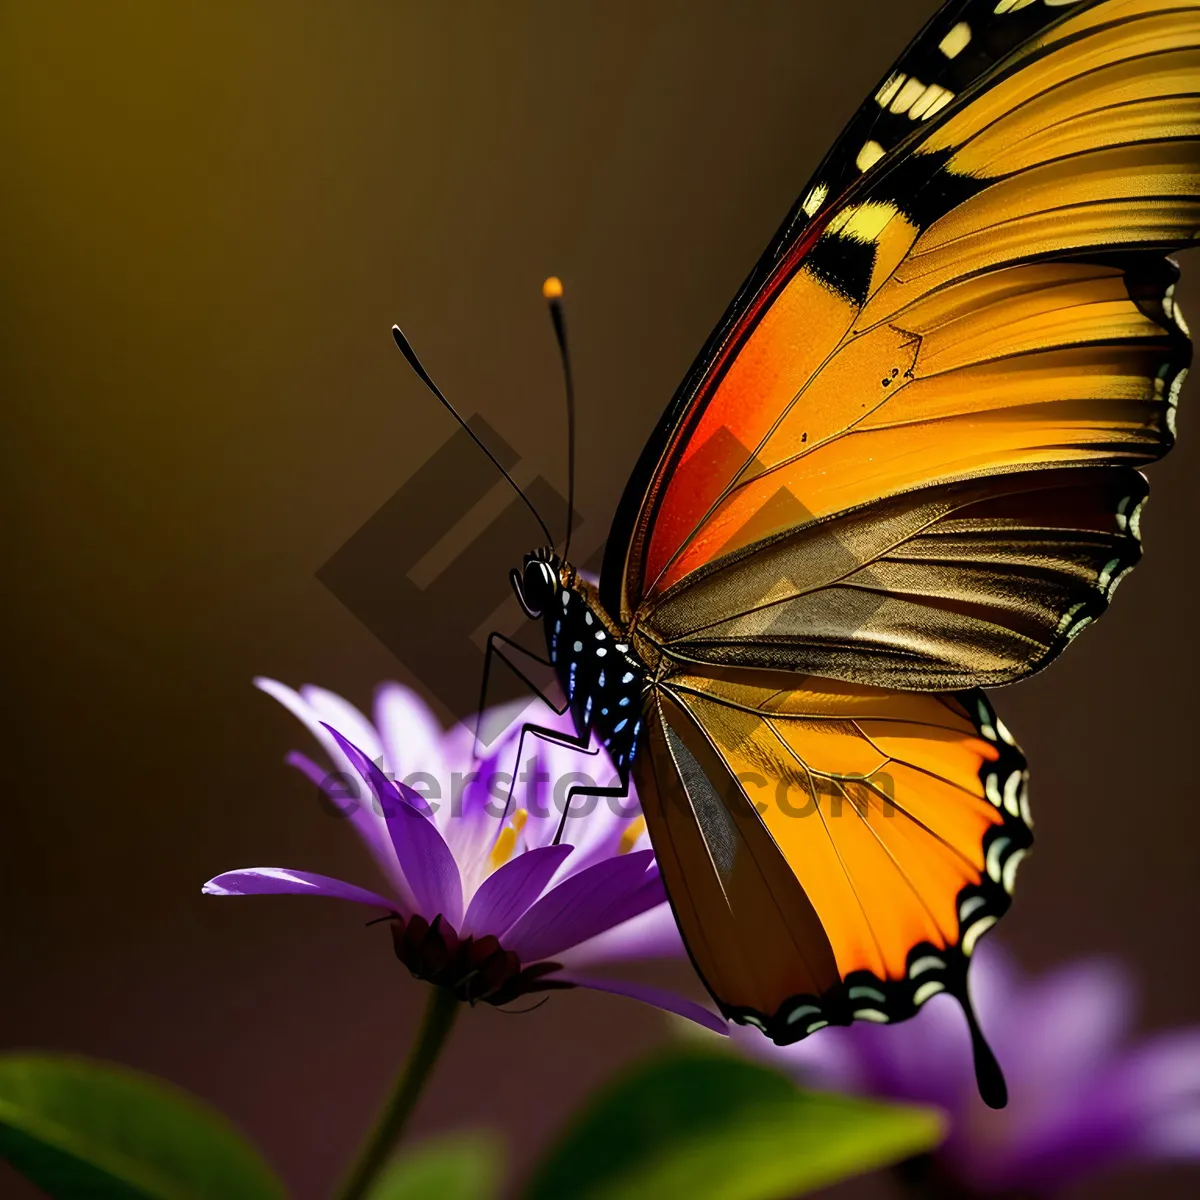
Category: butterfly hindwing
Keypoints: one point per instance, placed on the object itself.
(904, 815)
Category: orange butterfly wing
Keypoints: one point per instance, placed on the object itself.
(905, 464)
(989, 297)
(832, 852)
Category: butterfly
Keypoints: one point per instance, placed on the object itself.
(904, 467)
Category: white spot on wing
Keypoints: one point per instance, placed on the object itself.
(1107, 573)
(928, 962)
(1012, 792)
(907, 96)
(814, 199)
(939, 103)
(887, 93)
(991, 788)
(863, 222)
(975, 932)
(1135, 517)
(932, 100)
(926, 990)
(866, 993)
(994, 855)
(1010, 870)
(956, 41)
(804, 1010)
(869, 155)
(871, 1014)
(1069, 616)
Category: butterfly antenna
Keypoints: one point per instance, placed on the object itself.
(552, 289)
(414, 362)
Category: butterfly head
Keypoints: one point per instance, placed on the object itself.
(538, 581)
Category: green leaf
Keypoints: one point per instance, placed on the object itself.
(85, 1130)
(461, 1167)
(712, 1127)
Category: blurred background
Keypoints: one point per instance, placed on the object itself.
(212, 213)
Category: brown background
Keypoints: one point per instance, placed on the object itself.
(211, 216)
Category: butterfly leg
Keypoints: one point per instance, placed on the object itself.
(497, 645)
(580, 743)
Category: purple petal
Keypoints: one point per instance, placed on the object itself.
(1065, 1024)
(587, 904)
(424, 857)
(411, 735)
(368, 824)
(1144, 1105)
(366, 821)
(333, 710)
(283, 881)
(670, 1002)
(471, 832)
(508, 892)
(1166, 1069)
(652, 934)
(1161, 1082)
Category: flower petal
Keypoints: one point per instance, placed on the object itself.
(369, 826)
(475, 819)
(587, 904)
(652, 934)
(1160, 1081)
(368, 822)
(424, 857)
(283, 881)
(670, 1002)
(410, 734)
(1063, 1025)
(508, 892)
(332, 709)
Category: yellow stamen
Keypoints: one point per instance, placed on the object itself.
(633, 831)
(552, 289)
(507, 841)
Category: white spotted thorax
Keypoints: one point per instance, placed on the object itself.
(601, 677)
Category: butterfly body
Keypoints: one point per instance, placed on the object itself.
(601, 676)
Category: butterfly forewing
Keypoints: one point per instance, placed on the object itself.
(944, 588)
(966, 313)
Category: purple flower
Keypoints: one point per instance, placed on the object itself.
(481, 900)
(1079, 1101)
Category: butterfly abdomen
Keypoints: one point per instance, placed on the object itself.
(600, 676)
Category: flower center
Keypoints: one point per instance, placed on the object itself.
(474, 969)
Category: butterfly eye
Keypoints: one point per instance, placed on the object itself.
(535, 586)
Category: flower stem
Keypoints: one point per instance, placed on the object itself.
(436, 1024)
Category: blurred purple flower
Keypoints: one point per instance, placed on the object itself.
(481, 900)
(1080, 1101)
